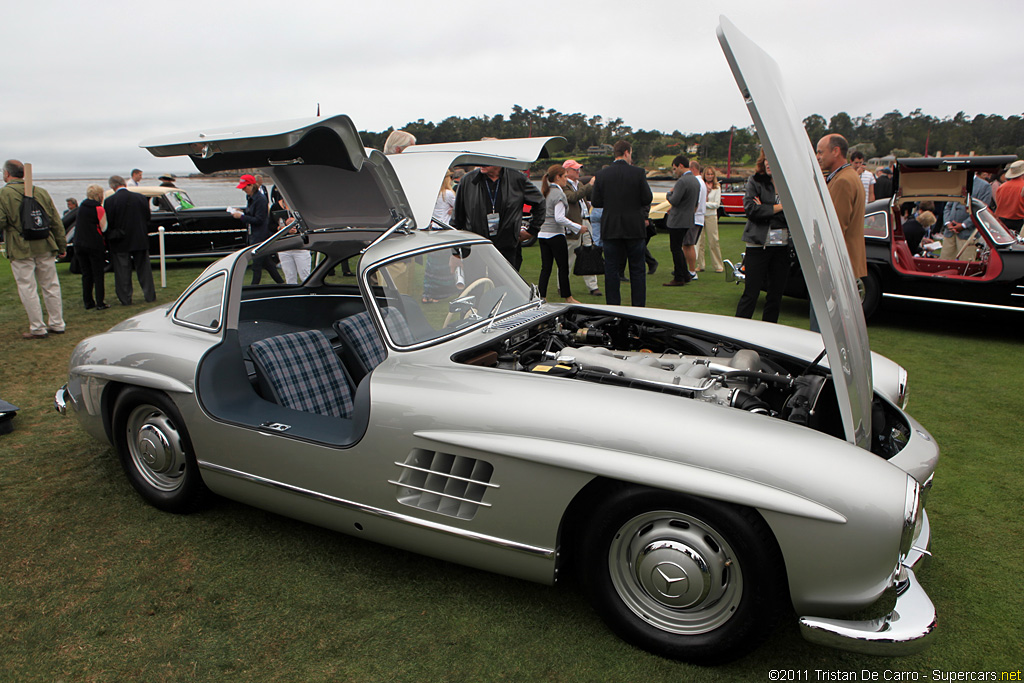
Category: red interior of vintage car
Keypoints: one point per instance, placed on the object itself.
(986, 268)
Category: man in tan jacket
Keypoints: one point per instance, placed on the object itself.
(847, 194)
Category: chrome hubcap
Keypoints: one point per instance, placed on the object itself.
(673, 573)
(676, 572)
(155, 448)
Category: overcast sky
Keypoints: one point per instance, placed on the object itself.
(83, 83)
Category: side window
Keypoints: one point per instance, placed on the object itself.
(876, 225)
(202, 308)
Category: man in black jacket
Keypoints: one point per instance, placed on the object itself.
(490, 202)
(622, 191)
(257, 219)
(127, 224)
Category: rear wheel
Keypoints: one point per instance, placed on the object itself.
(870, 290)
(682, 577)
(156, 452)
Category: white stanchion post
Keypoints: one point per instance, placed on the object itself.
(163, 259)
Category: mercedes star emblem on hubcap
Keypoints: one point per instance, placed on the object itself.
(669, 579)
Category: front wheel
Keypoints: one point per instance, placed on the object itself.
(682, 577)
(155, 451)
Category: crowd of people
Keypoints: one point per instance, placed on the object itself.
(609, 211)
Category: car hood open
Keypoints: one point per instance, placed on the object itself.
(813, 224)
(326, 174)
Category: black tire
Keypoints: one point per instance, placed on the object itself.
(683, 577)
(872, 293)
(155, 451)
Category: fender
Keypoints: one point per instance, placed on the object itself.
(639, 469)
(135, 376)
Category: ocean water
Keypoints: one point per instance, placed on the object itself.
(203, 191)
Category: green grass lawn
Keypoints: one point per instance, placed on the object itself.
(98, 586)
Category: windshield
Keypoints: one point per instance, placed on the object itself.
(995, 229)
(179, 200)
(439, 291)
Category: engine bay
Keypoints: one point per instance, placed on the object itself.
(628, 352)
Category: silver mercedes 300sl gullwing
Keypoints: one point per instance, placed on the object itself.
(727, 467)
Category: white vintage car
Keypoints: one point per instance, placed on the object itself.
(696, 475)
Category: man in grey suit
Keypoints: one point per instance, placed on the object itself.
(622, 191)
(682, 230)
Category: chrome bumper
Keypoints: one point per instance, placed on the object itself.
(60, 400)
(907, 629)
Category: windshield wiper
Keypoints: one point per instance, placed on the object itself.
(494, 311)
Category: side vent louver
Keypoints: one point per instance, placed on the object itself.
(440, 482)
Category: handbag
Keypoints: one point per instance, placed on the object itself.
(589, 261)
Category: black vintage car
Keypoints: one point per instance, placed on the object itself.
(993, 279)
(189, 231)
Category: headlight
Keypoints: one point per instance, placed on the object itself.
(901, 392)
(912, 507)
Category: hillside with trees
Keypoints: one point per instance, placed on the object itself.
(894, 134)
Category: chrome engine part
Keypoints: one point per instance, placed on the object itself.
(724, 381)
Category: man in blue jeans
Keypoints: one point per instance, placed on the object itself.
(621, 190)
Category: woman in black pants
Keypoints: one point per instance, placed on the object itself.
(767, 260)
(91, 247)
(553, 247)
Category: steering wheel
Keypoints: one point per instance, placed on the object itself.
(483, 284)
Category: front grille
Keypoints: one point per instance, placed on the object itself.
(447, 484)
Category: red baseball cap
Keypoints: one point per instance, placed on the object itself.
(572, 163)
(245, 181)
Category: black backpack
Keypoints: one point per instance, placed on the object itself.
(35, 222)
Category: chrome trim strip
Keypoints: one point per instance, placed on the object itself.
(502, 543)
(449, 476)
(438, 493)
(308, 295)
(954, 302)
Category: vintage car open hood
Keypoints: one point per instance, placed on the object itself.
(327, 175)
(941, 179)
(813, 225)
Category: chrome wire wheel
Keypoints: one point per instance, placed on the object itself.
(676, 572)
(155, 447)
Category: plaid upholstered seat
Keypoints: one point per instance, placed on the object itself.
(361, 343)
(303, 373)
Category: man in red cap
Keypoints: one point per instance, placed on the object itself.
(257, 219)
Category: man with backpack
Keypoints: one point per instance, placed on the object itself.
(33, 242)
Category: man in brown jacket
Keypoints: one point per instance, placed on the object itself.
(847, 192)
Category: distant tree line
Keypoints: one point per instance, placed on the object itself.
(893, 133)
(917, 133)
